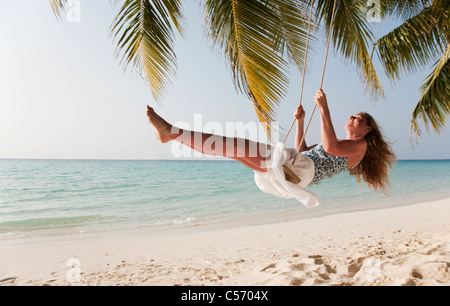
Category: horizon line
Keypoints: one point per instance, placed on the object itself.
(173, 159)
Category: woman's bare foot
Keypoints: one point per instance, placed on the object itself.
(163, 128)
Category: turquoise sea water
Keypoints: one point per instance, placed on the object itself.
(50, 197)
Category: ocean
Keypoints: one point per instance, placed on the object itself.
(59, 197)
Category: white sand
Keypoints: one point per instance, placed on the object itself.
(408, 245)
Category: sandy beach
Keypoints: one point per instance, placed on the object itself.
(408, 245)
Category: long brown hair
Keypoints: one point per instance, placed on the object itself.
(379, 157)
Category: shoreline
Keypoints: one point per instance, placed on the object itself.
(404, 245)
(265, 218)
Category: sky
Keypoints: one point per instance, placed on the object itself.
(65, 95)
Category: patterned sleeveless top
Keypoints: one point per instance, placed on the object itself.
(326, 165)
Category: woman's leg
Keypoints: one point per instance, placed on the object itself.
(251, 154)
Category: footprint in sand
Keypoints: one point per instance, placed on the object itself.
(318, 260)
(271, 266)
(297, 281)
(410, 282)
(355, 266)
(299, 267)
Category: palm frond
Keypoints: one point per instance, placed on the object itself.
(294, 21)
(351, 36)
(404, 9)
(146, 39)
(434, 105)
(412, 45)
(253, 34)
(442, 12)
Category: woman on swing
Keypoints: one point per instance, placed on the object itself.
(364, 152)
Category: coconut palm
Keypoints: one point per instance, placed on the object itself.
(422, 38)
(259, 38)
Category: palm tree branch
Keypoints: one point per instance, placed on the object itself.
(434, 105)
(295, 34)
(404, 9)
(145, 39)
(412, 45)
(351, 35)
(250, 33)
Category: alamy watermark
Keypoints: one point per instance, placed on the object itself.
(74, 273)
(374, 11)
(240, 139)
(373, 269)
(73, 11)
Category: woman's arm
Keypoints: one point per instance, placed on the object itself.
(300, 118)
(328, 135)
(331, 144)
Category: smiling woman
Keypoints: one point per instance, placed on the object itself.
(363, 152)
(373, 168)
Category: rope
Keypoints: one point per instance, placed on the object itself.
(321, 82)
(304, 66)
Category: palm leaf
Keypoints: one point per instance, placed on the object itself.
(442, 12)
(412, 45)
(404, 9)
(434, 105)
(415, 44)
(351, 36)
(294, 21)
(253, 35)
(146, 39)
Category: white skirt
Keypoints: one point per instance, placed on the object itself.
(273, 181)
